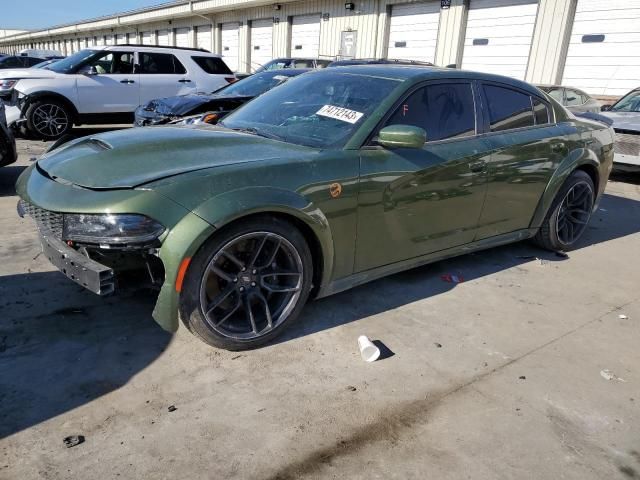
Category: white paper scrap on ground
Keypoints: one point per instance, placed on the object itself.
(339, 113)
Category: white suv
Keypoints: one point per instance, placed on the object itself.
(106, 84)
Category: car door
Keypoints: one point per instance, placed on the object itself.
(526, 148)
(417, 201)
(108, 84)
(162, 75)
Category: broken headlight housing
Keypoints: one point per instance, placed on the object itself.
(111, 229)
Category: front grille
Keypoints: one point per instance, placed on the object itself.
(627, 143)
(46, 221)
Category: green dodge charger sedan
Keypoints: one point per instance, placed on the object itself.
(336, 178)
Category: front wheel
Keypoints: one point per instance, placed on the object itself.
(247, 283)
(48, 119)
(569, 214)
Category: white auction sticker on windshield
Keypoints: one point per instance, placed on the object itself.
(339, 113)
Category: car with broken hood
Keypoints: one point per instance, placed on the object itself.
(216, 105)
(625, 114)
(336, 178)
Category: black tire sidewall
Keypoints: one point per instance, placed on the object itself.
(549, 229)
(29, 114)
(190, 310)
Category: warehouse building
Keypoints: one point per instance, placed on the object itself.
(589, 44)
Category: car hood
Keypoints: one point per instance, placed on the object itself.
(133, 157)
(29, 73)
(184, 104)
(624, 120)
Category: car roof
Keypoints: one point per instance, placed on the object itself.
(421, 73)
(287, 71)
(159, 48)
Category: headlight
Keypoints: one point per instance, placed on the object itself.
(6, 85)
(111, 229)
(210, 118)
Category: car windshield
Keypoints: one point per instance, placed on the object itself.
(320, 110)
(70, 64)
(628, 103)
(254, 85)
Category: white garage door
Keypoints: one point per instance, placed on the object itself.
(121, 39)
(147, 38)
(305, 36)
(100, 40)
(109, 39)
(261, 42)
(498, 38)
(203, 37)
(604, 50)
(413, 31)
(131, 38)
(163, 37)
(230, 45)
(182, 37)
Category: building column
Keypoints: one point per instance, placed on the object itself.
(244, 47)
(550, 41)
(451, 33)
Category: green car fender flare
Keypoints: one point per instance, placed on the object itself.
(574, 160)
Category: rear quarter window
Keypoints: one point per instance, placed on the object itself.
(212, 65)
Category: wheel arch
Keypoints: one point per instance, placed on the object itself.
(581, 159)
(41, 95)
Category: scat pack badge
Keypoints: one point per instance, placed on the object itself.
(335, 190)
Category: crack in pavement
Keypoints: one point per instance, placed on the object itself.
(391, 423)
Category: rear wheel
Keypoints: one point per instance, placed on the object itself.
(247, 283)
(569, 214)
(48, 119)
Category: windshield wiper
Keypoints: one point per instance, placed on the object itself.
(255, 131)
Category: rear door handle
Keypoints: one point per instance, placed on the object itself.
(184, 80)
(477, 166)
(127, 81)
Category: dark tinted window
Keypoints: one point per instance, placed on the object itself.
(508, 108)
(156, 63)
(541, 112)
(444, 111)
(11, 62)
(113, 63)
(212, 65)
(33, 61)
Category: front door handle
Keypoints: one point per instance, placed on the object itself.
(477, 166)
(184, 80)
(127, 81)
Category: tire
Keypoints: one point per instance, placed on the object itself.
(567, 219)
(48, 119)
(217, 294)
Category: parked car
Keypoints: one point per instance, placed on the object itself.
(8, 152)
(292, 62)
(338, 177)
(625, 114)
(107, 84)
(378, 61)
(575, 100)
(13, 61)
(47, 54)
(216, 104)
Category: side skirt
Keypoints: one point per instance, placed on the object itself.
(360, 278)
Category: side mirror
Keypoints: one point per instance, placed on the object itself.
(402, 136)
(605, 108)
(88, 70)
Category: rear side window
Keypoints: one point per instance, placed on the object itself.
(508, 109)
(33, 61)
(158, 63)
(443, 111)
(212, 65)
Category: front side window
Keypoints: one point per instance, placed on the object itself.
(74, 62)
(11, 62)
(508, 109)
(573, 98)
(159, 63)
(444, 111)
(113, 63)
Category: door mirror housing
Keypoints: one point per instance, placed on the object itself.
(88, 70)
(605, 108)
(402, 136)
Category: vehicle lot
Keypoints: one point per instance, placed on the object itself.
(501, 376)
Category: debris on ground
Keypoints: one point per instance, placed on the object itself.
(237, 357)
(172, 408)
(351, 388)
(562, 255)
(449, 278)
(522, 377)
(543, 262)
(368, 350)
(438, 345)
(73, 440)
(622, 316)
(609, 375)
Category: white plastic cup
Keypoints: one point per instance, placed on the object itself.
(368, 350)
